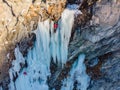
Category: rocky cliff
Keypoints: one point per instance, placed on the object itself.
(100, 40)
(96, 32)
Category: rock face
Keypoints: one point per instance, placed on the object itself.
(101, 34)
(99, 38)
(96, 33)
(110, 74)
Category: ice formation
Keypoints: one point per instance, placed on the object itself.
(16, 66)
(77, 75)
(49, 44)
(1, 88)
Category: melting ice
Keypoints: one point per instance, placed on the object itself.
(48, 44)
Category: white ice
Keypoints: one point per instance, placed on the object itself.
(48, 44)
(16, 66)
(77, 73)
(1, 88)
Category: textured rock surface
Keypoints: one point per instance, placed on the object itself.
(101, 38)
(110, 74)
(96, 38)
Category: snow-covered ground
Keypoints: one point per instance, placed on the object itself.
(48, 44)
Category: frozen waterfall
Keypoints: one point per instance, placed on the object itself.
(77, 75)
(48, 44)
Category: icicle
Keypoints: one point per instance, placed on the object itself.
(60, 39)
(67, 20)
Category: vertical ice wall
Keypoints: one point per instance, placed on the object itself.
(16, 66)
(48, 44)
(60, 40)
(1, 88)
(77, 76)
